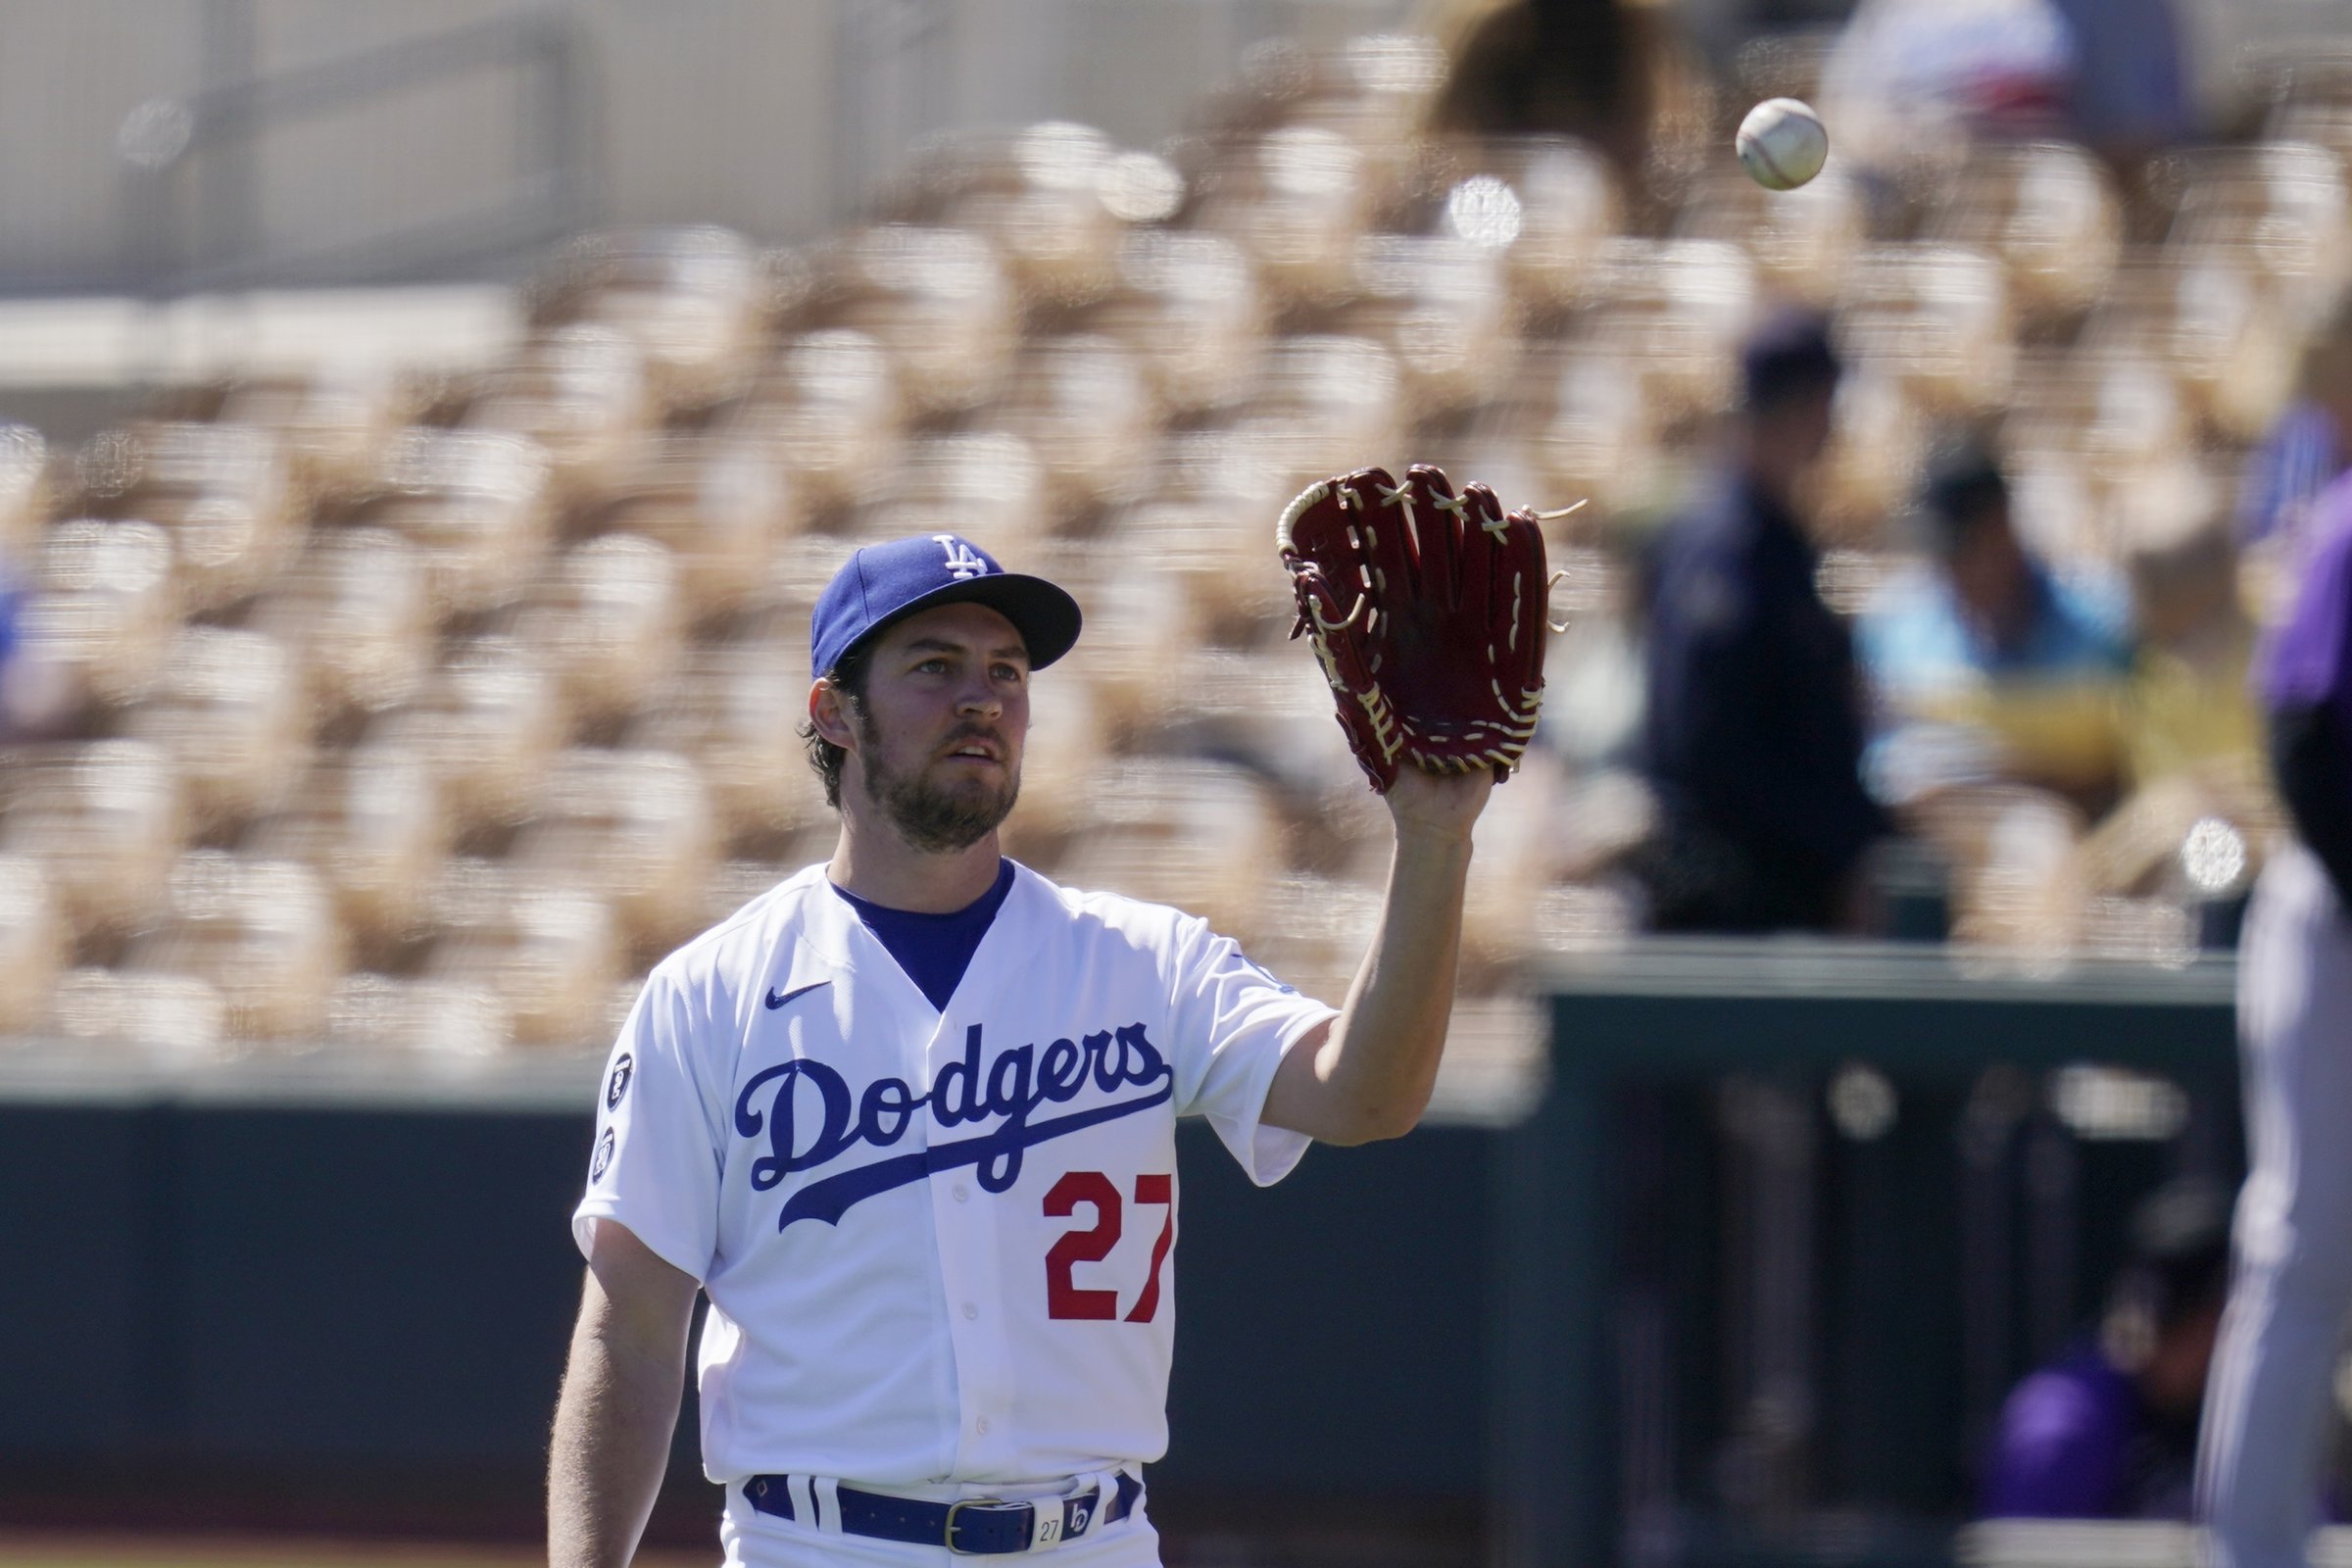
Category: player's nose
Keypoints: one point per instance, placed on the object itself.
(979, 695)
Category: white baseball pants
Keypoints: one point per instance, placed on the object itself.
(2267, 1403)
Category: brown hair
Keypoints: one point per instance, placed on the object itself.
(848, 677)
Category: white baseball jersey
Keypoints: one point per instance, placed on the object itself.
(938, 1244)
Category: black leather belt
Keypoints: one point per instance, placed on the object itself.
(975, 1526)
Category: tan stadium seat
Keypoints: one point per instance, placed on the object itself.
(1295, 200)
(370, 822)
(1062, 765)
(1138, 627)
(105, 818)
(1081, 405)
(2010, 848)
(549, 953)
(1372, 92)
(2225, 338)
(1312, 931)
(34, 941)
(24, 490)
(693, 301)
(231, 711)
(1600, 439)
(222, 491)
(475, 502)
(446, 1019)
(1675, 311)
(168, 1015)
(1326, 403)
(2280, 209)
(719, 503)
(2046, 210)
(937, 301)
(607, 618)
(634, 829)
(106, 606)
(262, 933)
(738, 882)
(1220, 552)
(1187, 307)
(987, 486)
(1198, 835)
(827, 407)
(1271, 703)
(1519, 856)
(1802, 241)
(1441, 305)
(797, 575)
(490, 720)
(2108, 417)
(1569, 206)
(736, 708)
(580, 392)
(2320, 123)
(334, 423)
(1038, 197)
(1936, 317)
(1872, 467)
(356, 613)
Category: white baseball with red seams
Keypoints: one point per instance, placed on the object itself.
(937, 1243)
(1781, 143)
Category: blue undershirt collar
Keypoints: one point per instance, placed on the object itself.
(934, 949)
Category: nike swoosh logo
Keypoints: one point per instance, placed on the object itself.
(776, 999)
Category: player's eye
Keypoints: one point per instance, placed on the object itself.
(1011, 674)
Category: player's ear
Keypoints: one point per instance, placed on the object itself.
(829, 712)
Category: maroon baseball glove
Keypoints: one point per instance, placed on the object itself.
(1427, 610)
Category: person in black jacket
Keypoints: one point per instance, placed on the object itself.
(1753, 732)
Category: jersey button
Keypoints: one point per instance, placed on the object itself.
(970, 1310)
(963, 1194)
(980, 1425)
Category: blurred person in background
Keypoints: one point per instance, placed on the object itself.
(2306, 448)
(2109, 1430)
(2260, 1452)
(1912, 80)
(2189, 710)
(1611, 72)
(1752, 730)
(1985, 666)
(2189, 726)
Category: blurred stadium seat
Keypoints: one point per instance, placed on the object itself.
(545, 612)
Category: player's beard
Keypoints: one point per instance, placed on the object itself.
(933, 816)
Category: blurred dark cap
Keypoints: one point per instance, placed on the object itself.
(2180, 1239)
(1787, 355)
(1963, 481)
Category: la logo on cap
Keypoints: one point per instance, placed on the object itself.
(961, 561)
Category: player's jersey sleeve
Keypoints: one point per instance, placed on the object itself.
(1234, 1024)
(656, 1162)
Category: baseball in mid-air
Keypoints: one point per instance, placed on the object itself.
(1781, 143)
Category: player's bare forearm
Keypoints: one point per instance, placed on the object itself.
(1370, 1074)
(621, 1387)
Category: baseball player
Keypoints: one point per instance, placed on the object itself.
(2262, 1443)
(908, 1120)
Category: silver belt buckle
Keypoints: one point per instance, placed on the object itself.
(956, 1508)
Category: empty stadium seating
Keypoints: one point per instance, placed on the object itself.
(424, 714)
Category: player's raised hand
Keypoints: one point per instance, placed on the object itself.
(1443, 804)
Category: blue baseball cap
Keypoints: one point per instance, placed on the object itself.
(882, 583)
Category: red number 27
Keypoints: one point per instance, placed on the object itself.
(1063, 1298)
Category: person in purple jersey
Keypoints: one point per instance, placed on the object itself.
(2109, 1431)
(2261, 1450)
